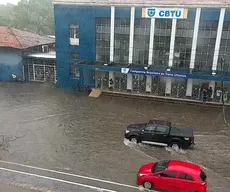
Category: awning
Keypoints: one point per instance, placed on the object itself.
(49, 55)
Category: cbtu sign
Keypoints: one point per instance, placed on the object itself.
(169, 13)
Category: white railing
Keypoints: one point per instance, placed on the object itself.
(42, 73)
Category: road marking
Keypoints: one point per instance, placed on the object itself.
(70, 174)
(59, 180)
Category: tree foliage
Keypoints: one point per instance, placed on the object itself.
(33, 15)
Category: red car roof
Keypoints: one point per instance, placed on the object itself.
(185, 167)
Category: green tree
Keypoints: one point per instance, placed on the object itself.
(33, 15)
(5, 14)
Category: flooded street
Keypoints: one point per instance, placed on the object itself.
(67, 131)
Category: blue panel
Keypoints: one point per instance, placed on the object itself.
(10, 63)
(142, 71)
(210, 14)
(122, 12)
(138, 12)
(191, 14)
(85, 17)
(88, 74)
(227, 15)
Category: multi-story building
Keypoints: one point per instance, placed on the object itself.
(168, 47)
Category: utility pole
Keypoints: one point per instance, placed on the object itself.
(222, 88)
(222, 80)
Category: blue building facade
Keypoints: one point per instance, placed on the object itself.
(168, 51)
(10, 63)
(23, 55)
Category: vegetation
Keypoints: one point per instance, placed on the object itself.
(32, 15)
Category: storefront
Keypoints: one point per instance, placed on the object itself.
(158, 83)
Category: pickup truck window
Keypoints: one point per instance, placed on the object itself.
(161, 129)
(149, 128)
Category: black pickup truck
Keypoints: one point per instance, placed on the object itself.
(161, 133)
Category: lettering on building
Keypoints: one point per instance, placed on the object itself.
(169, 13)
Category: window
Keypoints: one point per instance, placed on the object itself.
(225, 48)
(203, 176)
(74, 31)
(183, 44)
(162, 39)
(205, 48)
(160, 166)
(185, 176)
(149, 128)
(161, 129)
(74, 56)
(103, 39)
(74, 72)
(170, 174)
(121, 40)
(141, 41)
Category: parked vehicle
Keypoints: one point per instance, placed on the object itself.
(161, 133)
(172, 176)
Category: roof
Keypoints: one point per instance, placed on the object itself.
(19, 39)
(145, 3)
(49, 55)
(185, 167)
(160, 122)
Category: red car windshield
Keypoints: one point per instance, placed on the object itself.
(160, 166)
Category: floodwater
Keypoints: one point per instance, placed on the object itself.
(67, 131)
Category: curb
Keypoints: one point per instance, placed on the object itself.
(164, 99)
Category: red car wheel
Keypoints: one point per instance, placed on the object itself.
(148, 185)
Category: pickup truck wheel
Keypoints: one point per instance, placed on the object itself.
(148, 185)
(133, 139)
(175, 145)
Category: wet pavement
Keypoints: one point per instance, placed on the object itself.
(7, 188)
(67, 131)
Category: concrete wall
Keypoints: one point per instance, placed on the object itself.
(10, 63)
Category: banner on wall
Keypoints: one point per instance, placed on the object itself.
(165, 13)
(154, 73)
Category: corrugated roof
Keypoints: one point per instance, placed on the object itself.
(19, 39)
(178, 3)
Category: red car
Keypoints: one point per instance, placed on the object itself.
(172, 176)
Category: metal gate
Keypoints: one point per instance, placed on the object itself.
(139, 83)
(158, 86)
(42, 73)
(179, 88)
(102, 80)
(120, 82)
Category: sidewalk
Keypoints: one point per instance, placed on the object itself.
(162, 98)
